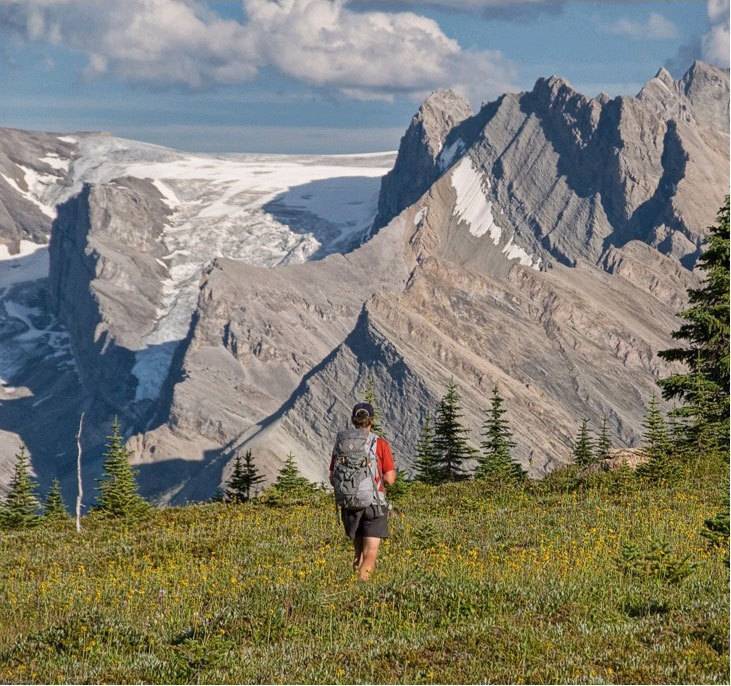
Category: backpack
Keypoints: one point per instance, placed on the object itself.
(355, 469)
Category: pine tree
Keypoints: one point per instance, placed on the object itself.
(290, 487)
(54, 509)
(450, 438)
(583, 448)
(425, 464)
(704, 388)
(495, 461)
(20, 509)
(289, 477)
(370, 397)
(655, 442)
(244, 479)
(118, 496)
(603, 443)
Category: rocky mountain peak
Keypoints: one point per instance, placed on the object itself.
(417, 165)
(552, 89)
(707, 88)
(438, 115)
(665, 76)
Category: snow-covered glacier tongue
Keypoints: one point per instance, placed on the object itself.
(263, 209)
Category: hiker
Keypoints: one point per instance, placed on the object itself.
(361, 463)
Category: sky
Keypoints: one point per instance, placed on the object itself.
(321, 76)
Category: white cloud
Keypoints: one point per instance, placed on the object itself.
(655, 27)
(715, 43)
(369, 54)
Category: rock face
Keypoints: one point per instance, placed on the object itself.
(419, 163)
(543, 244)
(106, 280)
(574, 176)
(33, 172)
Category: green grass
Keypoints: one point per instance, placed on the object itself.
(552, 584)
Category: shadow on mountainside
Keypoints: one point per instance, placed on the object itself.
(40, 388)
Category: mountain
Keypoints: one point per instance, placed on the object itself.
(216, 304)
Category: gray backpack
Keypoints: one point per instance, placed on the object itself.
(355, 469)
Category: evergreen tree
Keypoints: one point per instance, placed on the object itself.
(704, 388)
(20, 509)
(583, 448)
(495, 461)
(603, 443)
(370, 397)
(244, 479)
(54, 509)
(425, 464)
(117, 488)
(291, 487)
(450, 438)
(289, 477)
(656, 444)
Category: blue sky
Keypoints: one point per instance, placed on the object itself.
(328, 76)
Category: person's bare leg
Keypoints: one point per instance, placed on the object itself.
(368, 557)
(357, 552)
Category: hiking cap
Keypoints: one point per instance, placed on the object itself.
(360, 408)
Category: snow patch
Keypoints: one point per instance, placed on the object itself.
(33, 336)
(421, 215)
(29, 264)
(168, 195)
(28, 195)
(513, 252)
(472, 205)
(53, 160)
(68, 139)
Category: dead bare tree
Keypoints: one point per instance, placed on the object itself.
(79, 484)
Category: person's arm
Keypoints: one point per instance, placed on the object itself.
(388, 466)
(332, 462)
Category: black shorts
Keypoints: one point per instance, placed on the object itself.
(367, 523)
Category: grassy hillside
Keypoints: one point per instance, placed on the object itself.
(607, 583)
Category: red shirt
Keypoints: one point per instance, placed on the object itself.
(384, 459)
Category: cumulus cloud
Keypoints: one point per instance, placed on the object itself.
(175, 42)
(655, 27)
(712, 46)
(715, 43)
(363, 54)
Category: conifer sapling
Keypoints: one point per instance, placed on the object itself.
(495, 461)
(583, 448)
(118, 496)
(425, 464)
(54, 509)
(603, 442)
(20, 509)
(450, 438)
